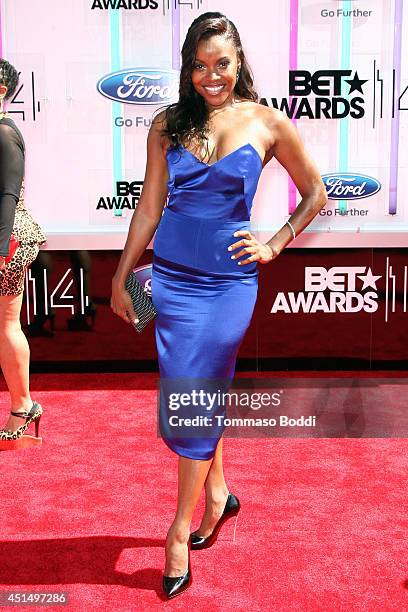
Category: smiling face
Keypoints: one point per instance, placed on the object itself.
(214, 71)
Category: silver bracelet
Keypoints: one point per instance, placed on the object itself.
(293, 231)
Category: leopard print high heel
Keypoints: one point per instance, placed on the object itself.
(33, 415)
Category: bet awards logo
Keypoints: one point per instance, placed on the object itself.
(335, 94)
(345, 289)
(124, 4)
(127, 197)
(167, 5)
(322, 95)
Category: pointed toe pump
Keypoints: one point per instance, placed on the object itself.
(232, 507)
(175, 585)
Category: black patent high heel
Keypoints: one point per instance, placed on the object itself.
(232, 507)
(16, 439)
(175, 585)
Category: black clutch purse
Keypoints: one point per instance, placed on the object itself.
(142, 303)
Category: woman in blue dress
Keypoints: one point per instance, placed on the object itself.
(205, 154)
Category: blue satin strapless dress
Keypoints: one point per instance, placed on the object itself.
(204, 299)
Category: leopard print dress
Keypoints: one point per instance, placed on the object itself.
(30, 236)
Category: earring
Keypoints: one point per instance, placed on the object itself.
(238, 72)
(1, 104)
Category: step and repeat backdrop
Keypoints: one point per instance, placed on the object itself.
(316, 308)
(94, 71)
(92, 74)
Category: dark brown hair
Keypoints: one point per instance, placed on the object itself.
(188, 117)
(8, 77)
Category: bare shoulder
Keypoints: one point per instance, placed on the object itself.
(280, 130)
(157, 128)
(267, 114)
(159, 120)
(271, 123)
(274, 120)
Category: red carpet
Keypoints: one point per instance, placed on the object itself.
(323, 523)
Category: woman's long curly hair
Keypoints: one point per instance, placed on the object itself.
(187, 118)
(8, 77)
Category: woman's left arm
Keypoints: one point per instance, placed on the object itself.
(291, 154)
(11, 176)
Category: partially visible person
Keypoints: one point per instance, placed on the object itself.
(16, 223)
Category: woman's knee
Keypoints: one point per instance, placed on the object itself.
(10, 308)
(9, 331)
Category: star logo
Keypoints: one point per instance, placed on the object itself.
(369, 280)
(356, 83)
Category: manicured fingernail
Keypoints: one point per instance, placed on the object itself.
(229, 248)
(239, 263)
(232, 256)
(235, 234)
(136, 321)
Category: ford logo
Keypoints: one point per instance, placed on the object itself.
(350, 186)
(140, 86)
(144, 276)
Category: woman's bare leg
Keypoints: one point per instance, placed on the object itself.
(14, 357)
(191, 477)
(216, 494)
